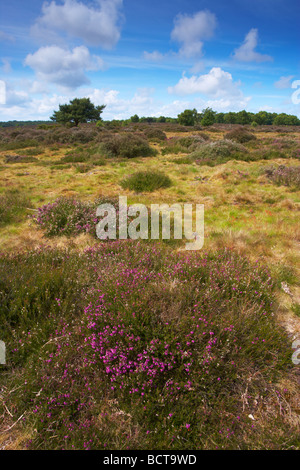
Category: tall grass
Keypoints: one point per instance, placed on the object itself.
(13, 204)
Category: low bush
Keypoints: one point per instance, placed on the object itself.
(183, 144)
(146, 181)
(220, 151)
(240, 135)
(67, 216)
(284, 175)
(19, 159)
(126, 146)
(154, 134)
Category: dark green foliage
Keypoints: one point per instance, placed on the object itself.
(146, 181)
(208, 117)
(78, 110)
(188, 117)
(126, 146)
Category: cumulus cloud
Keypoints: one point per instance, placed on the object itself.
(217, 84)
(97, 25)
(63, 66)
(284, 82)
(246, 52)
(9, 96)
(141, 103)
(191, 31)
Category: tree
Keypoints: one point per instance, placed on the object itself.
(243, 117)
(78, 110)
(134, 118)
(208, 117)
(188, 117)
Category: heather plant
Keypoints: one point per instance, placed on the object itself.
(156, 354)
(146, 181)
(240, 135)
(154, 134)
(187, 144)
(67, 216)
(284, 175)
(220, 151)
(126, 146)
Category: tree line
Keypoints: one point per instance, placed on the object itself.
(82, 110)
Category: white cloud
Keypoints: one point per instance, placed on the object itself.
(284, 82)
(62, 66)
(246, 52)
(2, 92)
(9, 96)
(98, 25)
(141, 103)
(6, 37)
(190, 31)
(154, 56)
(217, 84)
(6, 67)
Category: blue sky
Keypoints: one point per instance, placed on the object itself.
(149, 58)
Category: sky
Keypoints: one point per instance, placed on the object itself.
(151, 58)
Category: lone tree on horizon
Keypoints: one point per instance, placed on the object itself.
(78, 110)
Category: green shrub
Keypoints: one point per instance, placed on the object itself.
(154, 134)
(75, 157)
(220, 151)
(146, 181)
(183, 144)
(127, 146)
(240, 135)
(19, 159)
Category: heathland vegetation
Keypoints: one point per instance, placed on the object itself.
(140, 344)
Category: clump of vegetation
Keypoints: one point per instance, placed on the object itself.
(284, 175)
(154, 134)
(19, 159)
(126, 146)
(168, 368)
(13, 204)
(146, 181)
(67, 216)
(240, 135)
(220, 151)
(183, 144)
